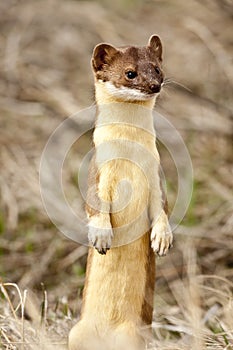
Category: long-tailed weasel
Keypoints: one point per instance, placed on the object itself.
(127, 220)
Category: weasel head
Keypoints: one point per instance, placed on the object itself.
(132, 74)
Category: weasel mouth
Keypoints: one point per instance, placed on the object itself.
(132, 94)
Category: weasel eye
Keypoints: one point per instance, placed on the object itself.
(157, 70)
(131, 74)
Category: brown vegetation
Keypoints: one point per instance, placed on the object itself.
(45, 76)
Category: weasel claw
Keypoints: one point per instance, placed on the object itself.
(100, 239)
(161, 236)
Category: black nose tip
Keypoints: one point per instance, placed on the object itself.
(155, 87)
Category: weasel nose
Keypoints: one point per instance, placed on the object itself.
(155, 87)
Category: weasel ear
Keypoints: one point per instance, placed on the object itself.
(155, 46)
(102, 54)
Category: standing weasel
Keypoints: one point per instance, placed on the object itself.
(125, 209)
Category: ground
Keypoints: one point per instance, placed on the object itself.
(45, 74)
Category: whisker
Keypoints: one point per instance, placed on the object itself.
(165, 92)
(170, 81)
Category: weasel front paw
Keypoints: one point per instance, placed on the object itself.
(100, 233)
(161, 235)
(101, 238)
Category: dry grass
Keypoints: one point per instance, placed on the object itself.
(45, 77)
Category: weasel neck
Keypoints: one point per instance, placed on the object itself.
(127, 114)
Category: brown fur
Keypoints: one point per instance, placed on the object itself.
(147, 307)
(110, 64)
(119, 288)
(92, 201)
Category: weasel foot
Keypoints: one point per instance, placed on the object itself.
(161, 235)
(100, 235)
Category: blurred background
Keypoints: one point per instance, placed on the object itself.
(45, 76)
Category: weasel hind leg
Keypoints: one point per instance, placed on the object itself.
(127, 338)
(84, 336)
